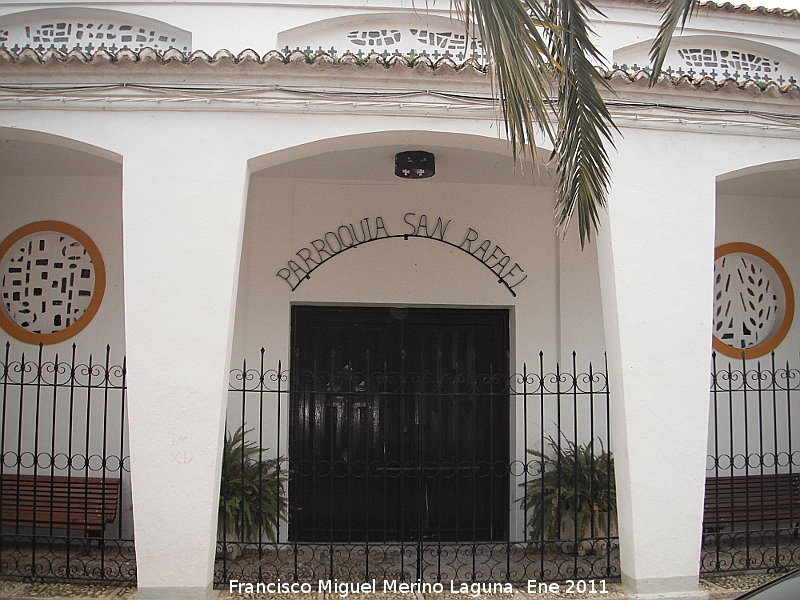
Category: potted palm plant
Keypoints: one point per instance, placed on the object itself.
(574, 485)
(251, 498)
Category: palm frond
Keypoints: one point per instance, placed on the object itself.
(535, 48)
(585, 124)
(511, 33)
(675, 11)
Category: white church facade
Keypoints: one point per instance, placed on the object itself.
(211, 200)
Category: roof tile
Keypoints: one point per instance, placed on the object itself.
(30, 58)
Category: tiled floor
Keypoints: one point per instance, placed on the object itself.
(719, 588)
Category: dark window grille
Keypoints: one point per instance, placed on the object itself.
(518, 543)
(752, 499)
(65, 494)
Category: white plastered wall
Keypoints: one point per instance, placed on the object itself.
(656, 259)
(186, 178)
(44, 181)
(183, 191)
(291, 204)
(236, 26)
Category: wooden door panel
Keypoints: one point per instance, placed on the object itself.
(396, 423)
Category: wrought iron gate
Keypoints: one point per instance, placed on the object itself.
(555, 519)
(752, 502)
(65, 469)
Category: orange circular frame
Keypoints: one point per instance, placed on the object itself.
(99, 283)
(788, 292)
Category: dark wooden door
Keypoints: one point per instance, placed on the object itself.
(399, 424)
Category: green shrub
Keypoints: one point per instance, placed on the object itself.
(575, 485)
(251, 497)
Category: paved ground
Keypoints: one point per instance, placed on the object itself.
(719, 588)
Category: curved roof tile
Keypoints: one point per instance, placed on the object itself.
(731, 7)
(397, 64)
(642, 79)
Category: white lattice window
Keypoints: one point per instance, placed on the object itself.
(717, 57)
(404, 40)
(88, 30)
(753, 301)
(52, 280)
(374, 37)
(445, 40)
(730, 60)
(403, 34)
(441, 39)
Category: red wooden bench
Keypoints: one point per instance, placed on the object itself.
(59, 502)
(755, 501)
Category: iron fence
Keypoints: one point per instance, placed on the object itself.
(391, 485)
(752, 503)
(65, 494)
(417, 477)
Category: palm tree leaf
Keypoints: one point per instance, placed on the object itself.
(534, 47)
(511, 33)
(585, 123)
(675, 11)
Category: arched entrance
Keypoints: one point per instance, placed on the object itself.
(66, 495)
(399, 398)
(751, 469)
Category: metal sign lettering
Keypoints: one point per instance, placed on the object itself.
(352, 235)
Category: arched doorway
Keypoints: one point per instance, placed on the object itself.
(66, 496)
(751, 469)
(400, 393)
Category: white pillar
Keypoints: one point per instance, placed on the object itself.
(183, 202)
(656, 255)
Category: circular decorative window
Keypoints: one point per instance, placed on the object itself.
(52, 280)
(753, 301)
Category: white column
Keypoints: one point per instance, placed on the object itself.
(656, 254)
(183, 202)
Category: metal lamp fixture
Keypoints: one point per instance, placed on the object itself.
(414, 164)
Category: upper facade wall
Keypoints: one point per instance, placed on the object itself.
(717, 56)
(629, 23)
(269, 25)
